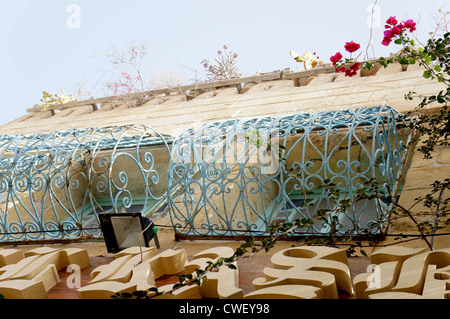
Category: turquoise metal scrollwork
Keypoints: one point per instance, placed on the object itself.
(224, 178)
(52, 184)
(238, 177)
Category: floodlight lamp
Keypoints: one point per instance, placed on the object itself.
(125, 230)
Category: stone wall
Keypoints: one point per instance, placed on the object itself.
(419, 177)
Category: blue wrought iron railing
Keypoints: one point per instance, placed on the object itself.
(225, 178)
(53, 184)
(239, 177)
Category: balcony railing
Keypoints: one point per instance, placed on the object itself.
(53, 184)
(226, 178)
(239, 177)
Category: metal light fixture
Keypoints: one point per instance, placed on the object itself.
(124, 230)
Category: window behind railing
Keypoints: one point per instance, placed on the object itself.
(52, 185)
(239, 177)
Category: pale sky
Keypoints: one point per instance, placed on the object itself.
(56, 44)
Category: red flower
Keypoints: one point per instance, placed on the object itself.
(336, 58)
(351, 46)
(355, 66)
(350, 73)
(352, 70)
(410, 24)
(388, 34)
(386, 41)
(393, 29)
(391, 22)
(396, 31)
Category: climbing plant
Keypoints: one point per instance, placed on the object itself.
(429, 121)
(429, 126)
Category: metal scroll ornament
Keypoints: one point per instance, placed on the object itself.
(53, 184)
(225, 178)
(240, 176)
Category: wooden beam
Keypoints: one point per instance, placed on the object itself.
(276, 75)
(307, 73)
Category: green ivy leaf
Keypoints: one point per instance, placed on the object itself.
(403, 61)
(369, 65)
(383, 62)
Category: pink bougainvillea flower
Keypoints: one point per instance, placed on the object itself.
(351, 46)
(355, 67)
(391, 22)
(350, 73)
(386, 41)
(410, 24)
(396, 31)
(352, 70)
(336, 58)
(387, 37)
